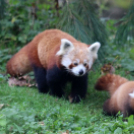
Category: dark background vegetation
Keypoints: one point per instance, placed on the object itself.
(110, 22)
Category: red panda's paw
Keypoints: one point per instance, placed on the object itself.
(74, 98)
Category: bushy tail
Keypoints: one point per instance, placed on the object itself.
(110, 82)
(19, 64)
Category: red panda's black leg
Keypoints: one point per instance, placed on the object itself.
(56, 81)
(40, 76)
(56, 89)
(79, 88)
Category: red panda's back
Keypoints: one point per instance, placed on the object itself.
(120, 100)
(49, 46)
(123, 97)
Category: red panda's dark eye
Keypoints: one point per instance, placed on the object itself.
(85, 64)
(75, 64)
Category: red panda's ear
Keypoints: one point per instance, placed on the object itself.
(66, 46)
(93, 49)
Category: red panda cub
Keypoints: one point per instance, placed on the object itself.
(56, 58)
(121, 93)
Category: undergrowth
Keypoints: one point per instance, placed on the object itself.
(24, 110)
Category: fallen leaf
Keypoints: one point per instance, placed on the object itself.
(22, 81)
(107, 68)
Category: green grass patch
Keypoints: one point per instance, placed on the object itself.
(25, 111)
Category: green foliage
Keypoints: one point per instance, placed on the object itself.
(80, 19)
(2, 12)
(2, 9)
(126, 29)
(5, 55)
(1, 77)
(20, 24)
(111, 29)
(120, 57)
(132, 53)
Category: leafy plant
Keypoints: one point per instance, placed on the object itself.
(79, 18)
(2, 9)
(20, 25)
(126, 29)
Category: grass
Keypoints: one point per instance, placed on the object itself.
(25, 111)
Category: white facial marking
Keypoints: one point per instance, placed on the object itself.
(90, 63)
(77, 60)
(76, 70)
(85, 61)
(66, 61)
(93, 49)
(131, 95)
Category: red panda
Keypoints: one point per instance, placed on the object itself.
(56, 58)
(121, 93)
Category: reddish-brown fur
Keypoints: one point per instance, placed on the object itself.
(19, 64)
(41, 51)
(119, 89)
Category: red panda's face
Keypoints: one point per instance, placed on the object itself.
(77, 62)
(77, 58)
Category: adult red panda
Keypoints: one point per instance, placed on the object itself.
(121, 93)
(56, 58)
